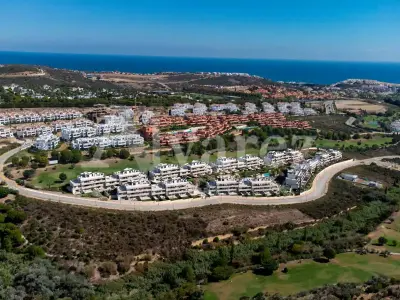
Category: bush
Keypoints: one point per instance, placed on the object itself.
(124, 154)
(34, 251)
(329, 253)
(222, 273)
(28, 173)
(4, 191)
(62, 176)
(108, 268)
(382, 240)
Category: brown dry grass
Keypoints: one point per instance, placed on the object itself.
(357, 105)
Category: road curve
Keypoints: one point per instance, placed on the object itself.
(319, 188)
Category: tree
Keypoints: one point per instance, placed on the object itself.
(62, 176)
(222, 273)
(382, 240)
(15, 216)
(269, 266)
(24, 161)
(4, 192)
(65, 156)
(124, 154)
(15, 161)
(188, 274)
(92, 151)
(29, 173)
(34, 251)
(42, 161)
(76, 156)
(55, 155)
(329, 253)
(356, 136)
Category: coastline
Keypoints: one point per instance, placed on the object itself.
(304, 71)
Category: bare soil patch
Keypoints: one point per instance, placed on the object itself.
(357, 105)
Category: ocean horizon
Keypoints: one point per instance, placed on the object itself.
(319, 72)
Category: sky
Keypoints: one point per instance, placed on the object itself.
(347, 30)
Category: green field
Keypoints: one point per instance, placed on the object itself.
(48, 178)
(376, 140)
(372, 121)
(307, 275)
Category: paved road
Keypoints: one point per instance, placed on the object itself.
(319, 188)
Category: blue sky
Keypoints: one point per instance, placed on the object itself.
(366, 30)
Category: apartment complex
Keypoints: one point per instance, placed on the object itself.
(227, 165)
(144, 189)
(46, 142)
(31, 131)
(163, 172)
(251, 162)
(199, 109)
(43, 116)
(87, 182)
(248, 186)
(281, 158)
(198, 168)
(115, 141)
(395, 126)
(268, 108)
(5, 132)
(299, 175)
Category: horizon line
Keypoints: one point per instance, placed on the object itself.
(203, 57)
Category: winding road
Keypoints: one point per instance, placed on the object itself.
(319, 188)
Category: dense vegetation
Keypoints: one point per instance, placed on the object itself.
(375, 289)
(72, 234)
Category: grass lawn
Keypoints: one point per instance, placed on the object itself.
(376, 140)
(48, 178)
(347, 267)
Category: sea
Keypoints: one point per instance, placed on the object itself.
(319, 72)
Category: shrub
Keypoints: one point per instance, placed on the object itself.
(28, 173)
(222, 273)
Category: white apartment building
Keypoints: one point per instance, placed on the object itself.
(268, 108)
(300, 174)
(126, 140)
(259, 186)
(280, 158)
(31, 117)
(177, 188)
(328, 156)
(104, 129)
(310, 112)
(5, 132)
(46, 142)
(129, 175)
(139, 190)
(198, 168)
(144, 189)
(251, 161)
(227, 165)
(29, 131)
(199, 109)
(250, 108)
(68, 134)
(222, 185)
(395, 126)
(87, 182)
(113, 119)
(163, 172)
(177, 112)
(252, 186)
(283, 107)
(146, 116)
(115, 141)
